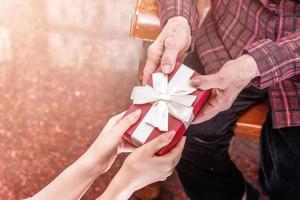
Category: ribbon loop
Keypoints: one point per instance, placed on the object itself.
(167, 98)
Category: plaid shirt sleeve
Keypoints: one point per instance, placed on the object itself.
(276, 61)
(184, 8)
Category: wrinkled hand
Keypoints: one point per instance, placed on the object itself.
(142, 167)
(173, 41)
(109, 144)
(232, 78)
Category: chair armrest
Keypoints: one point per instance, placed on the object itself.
(250, 122)
(145, 23)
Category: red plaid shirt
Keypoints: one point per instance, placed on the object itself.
(268, 30)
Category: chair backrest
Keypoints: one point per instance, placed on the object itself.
(145, 24)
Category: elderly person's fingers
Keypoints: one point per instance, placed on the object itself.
(217, 102)
(174, 40)
(205, 82)
(154, 54)
(169, 57)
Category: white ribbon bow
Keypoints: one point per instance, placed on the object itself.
(166, 98)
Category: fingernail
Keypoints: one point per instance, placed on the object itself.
(170, 134)
(137, 113)
(144, 82)
(166, 68)
(195, 82)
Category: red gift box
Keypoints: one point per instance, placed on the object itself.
(174, 123)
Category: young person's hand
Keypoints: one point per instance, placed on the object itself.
(227, 83)
(142, 168)
(102, 153)
(173, 41)
(76, 179)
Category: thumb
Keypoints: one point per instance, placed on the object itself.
(205, 82)
(125, 147)
(125, 123)
(159, 142)
(169, 56)
(154, 54)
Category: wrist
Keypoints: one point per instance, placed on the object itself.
(119, 188)
(185, 29)
(182, 22)
(179, 19)
(90, 165)
(98, 159)
(249, 66)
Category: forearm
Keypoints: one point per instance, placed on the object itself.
(277, 61)
(76, 179)
(72, 183)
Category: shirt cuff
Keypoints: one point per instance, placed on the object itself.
(269, 56)
(184, 8)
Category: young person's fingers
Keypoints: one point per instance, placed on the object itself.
(175, 154)
(126, 147)
(125, 123)
(113, 121)
(159, 142)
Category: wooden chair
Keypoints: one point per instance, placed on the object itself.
(145, 25)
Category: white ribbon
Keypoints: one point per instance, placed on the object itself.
(167, 98)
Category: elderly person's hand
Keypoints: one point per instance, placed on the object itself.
(142, 168)
(173, 41)
(232, 78)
